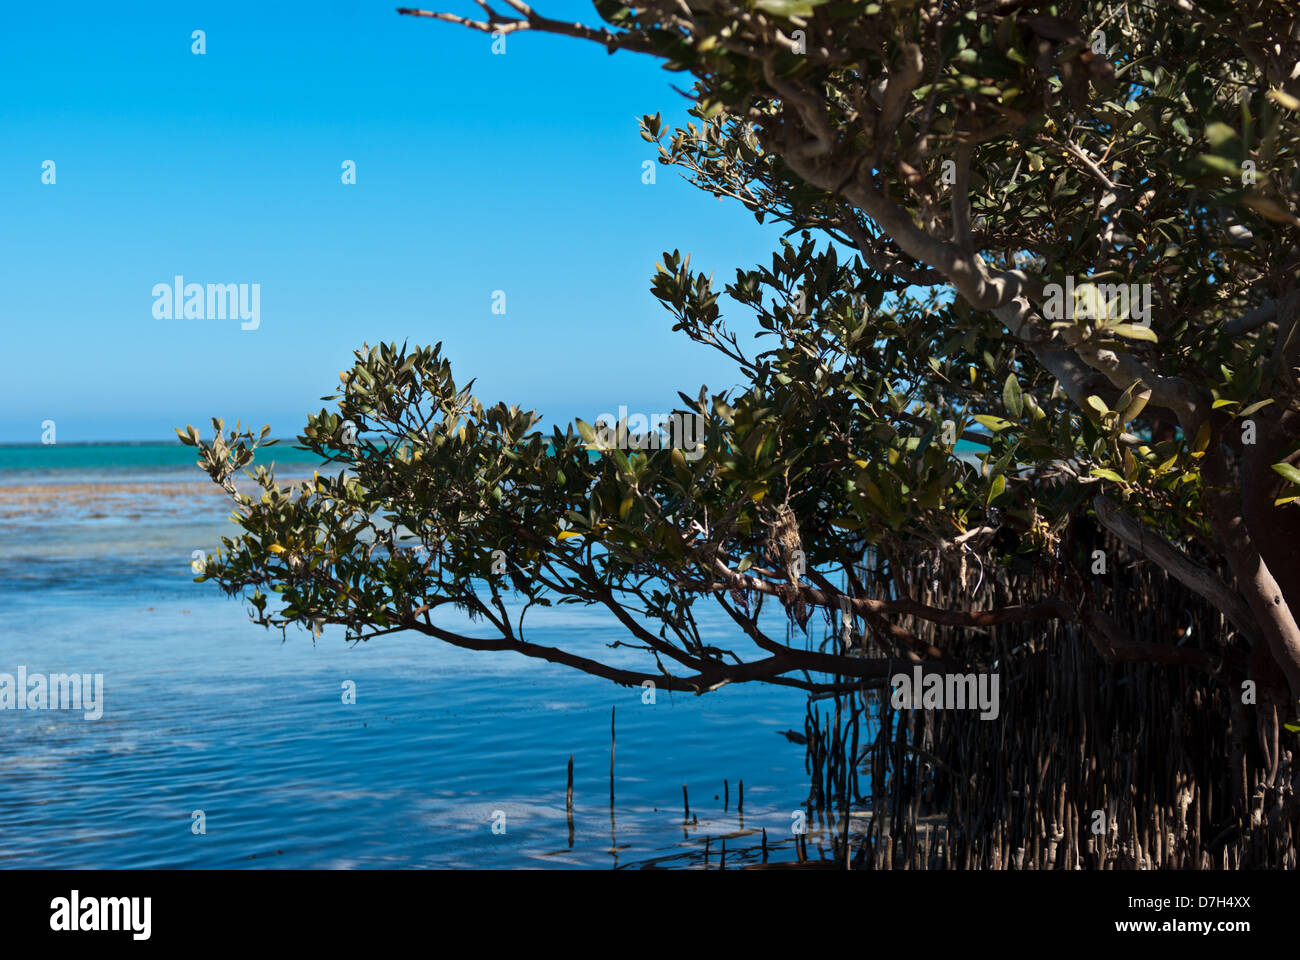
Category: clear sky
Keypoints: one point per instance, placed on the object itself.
(474, 172)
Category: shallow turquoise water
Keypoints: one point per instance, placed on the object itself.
(203, 711)
(107, 462)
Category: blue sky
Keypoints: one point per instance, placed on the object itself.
(475, 173)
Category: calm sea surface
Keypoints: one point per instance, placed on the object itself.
(205, 712)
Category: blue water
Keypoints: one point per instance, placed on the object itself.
(205, 712)
(121, 462)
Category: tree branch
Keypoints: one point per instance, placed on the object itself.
(1176, 563)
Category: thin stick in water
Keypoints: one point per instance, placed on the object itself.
(568, 800)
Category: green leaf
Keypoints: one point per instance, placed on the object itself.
(1035, 411)
(1136, 405)
(1098, 404)
(1133, 331)
(998, 485)
(874, 494)
(1284, 99)
(1287, 471)
(1202, 441)
(996, 424)
(1209, 163)
(1011, 396)
(788, 8)
(1255, 406)
(1219, 134)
